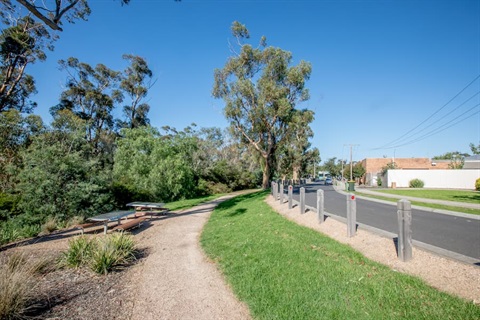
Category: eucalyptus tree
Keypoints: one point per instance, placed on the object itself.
(91, 94)
(260, 90)
(52, 12)
(294, 150)
(135, 82)
(21, 44)
(333, 166)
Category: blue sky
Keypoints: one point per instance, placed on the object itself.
(380, 68)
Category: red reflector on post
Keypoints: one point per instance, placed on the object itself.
(353, 197)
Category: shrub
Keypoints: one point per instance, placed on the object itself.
(102, 255)
(78, 253)
(17, 284)
(112, 251)
(379, 181)
(416, 183)
(477, 184)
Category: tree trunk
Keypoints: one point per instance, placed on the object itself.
(266, 175)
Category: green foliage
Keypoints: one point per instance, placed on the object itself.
(147, 163)
(59, 180)
(101, 255)
(260, 90)
(20, 45)
(135, 82)
(416, 183)
(379, 181)
(111, 251)
(477, 184)
(357, 171)
(333, 166)
(78, 253)
(16, 132)
(475, 148)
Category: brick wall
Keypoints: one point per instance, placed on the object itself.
(375, 165)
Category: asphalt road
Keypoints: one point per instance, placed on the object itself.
(456, 234)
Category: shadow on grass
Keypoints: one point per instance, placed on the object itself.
(237, 212)
(234, 201)
(469, 198)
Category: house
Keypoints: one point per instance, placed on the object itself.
(374, 166)
(472, 162)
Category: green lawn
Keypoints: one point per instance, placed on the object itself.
(449, 195)
(423, 204)
(286, 271)
(188, 203)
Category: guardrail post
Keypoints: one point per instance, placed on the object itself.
(290, 197)
(281, 192)
(351, 215)
(404, 244)
(320, 206)
(302, 200)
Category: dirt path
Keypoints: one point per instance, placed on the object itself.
(176, 280)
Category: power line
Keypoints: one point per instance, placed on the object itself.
(386, 146)
(441, 128)
(437, 121)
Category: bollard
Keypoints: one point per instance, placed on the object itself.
(290, 197)
(351, 215)
(281, 192)
(274, 188)
(320, 205)
(302, 200)
(404, 214)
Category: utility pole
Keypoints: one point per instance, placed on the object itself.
(351, 163)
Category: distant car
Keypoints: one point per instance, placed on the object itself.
(328, 181)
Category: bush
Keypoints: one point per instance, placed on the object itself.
(416, 183)
(379, 182)
(477, 184)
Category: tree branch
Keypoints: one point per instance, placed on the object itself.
(40, 16)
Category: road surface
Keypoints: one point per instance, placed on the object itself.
(455, 234)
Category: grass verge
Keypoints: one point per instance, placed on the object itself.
(468, 196)
(286, 271)
(188, 203)
(423, 204)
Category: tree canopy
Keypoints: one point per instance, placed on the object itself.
(261, 89)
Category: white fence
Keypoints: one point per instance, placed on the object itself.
(445, 179)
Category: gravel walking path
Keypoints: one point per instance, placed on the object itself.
(176, 280)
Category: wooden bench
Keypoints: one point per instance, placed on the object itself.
(131, 223)
(85, 225)
(151, 213)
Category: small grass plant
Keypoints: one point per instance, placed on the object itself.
(17, 284)
(286, 271)
(101, 255)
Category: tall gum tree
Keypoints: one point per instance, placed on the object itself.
(260, 90)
